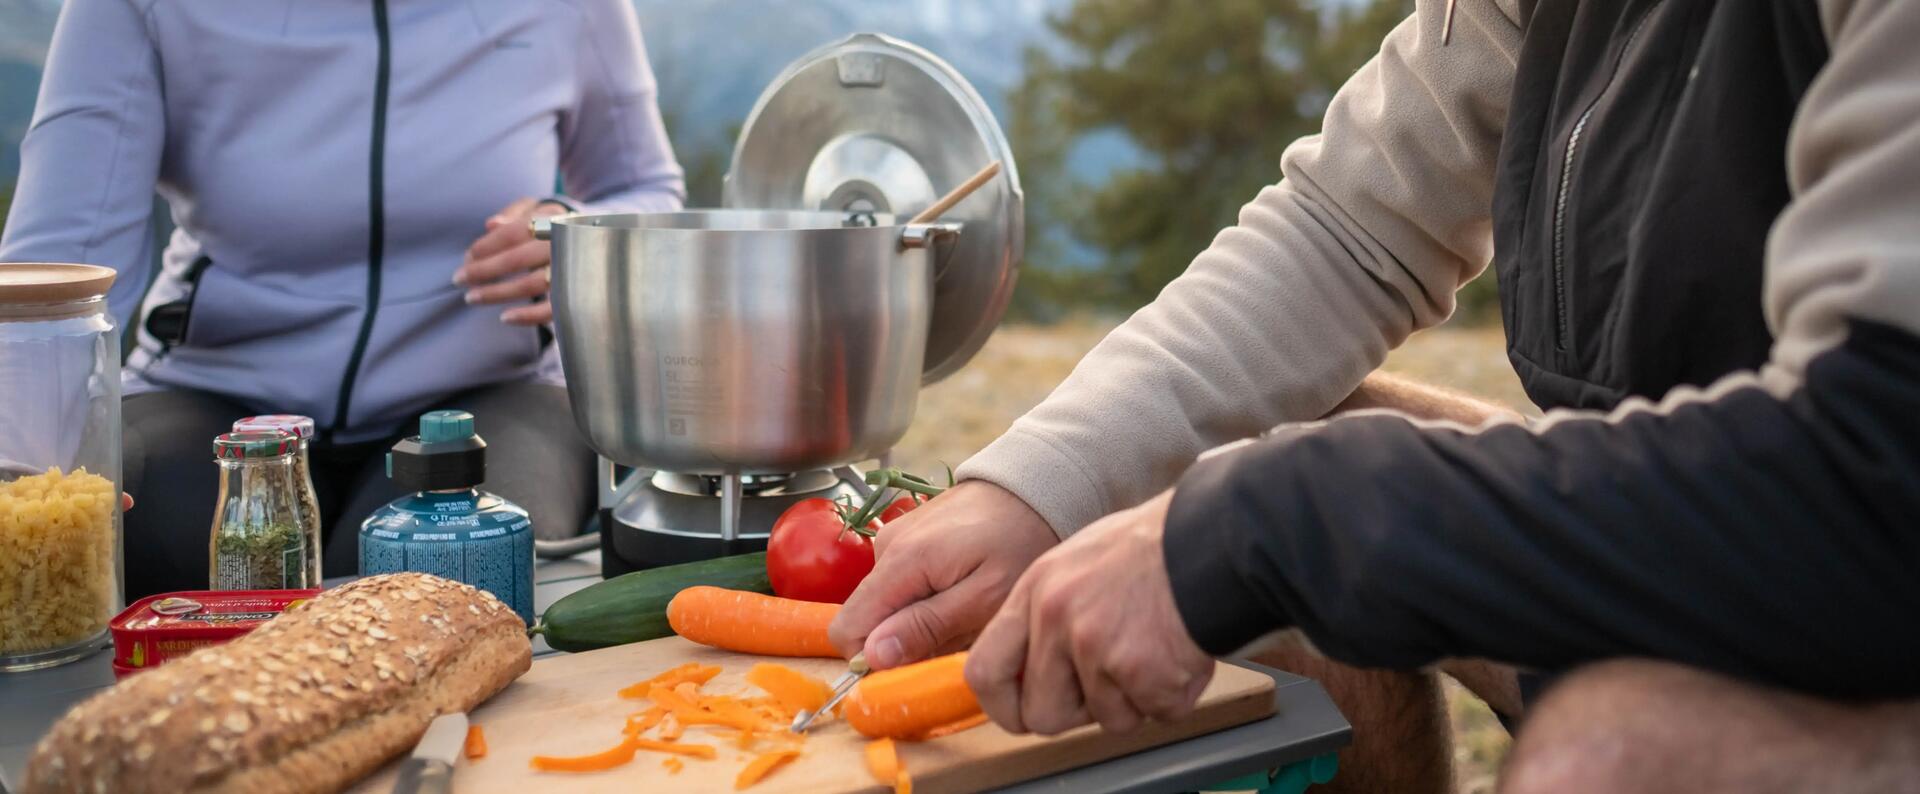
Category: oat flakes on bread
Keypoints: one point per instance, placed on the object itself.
(311, 702)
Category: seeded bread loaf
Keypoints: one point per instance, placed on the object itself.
(314, 700)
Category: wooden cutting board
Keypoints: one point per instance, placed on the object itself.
(566, 705)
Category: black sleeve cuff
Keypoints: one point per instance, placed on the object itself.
(1207, 557)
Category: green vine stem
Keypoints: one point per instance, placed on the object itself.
(885, 483)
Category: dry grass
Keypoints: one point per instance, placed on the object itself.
(1022, 364)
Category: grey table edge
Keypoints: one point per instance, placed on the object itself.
(1305, 724)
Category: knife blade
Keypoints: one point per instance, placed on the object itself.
(856, 669)
(430, 769)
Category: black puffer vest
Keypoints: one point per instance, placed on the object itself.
(1643, 164)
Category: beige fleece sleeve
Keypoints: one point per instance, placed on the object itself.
(1373, 226)
(1848, 246)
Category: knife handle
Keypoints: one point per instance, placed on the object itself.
(424, 776)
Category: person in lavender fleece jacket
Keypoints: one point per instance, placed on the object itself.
(351, 184)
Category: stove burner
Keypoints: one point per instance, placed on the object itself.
(653, 518)
(751, 485)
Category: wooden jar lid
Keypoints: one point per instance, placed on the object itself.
(25, 283)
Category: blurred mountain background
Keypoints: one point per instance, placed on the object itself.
(1140, 126)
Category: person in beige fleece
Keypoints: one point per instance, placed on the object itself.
(1705, 219)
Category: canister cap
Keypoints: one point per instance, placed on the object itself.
(254, 444)
(438, 427)
(299, 426)
(447, 454)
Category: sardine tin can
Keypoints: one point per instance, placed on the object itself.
(171, 625)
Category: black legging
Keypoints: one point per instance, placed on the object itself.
(535, 458)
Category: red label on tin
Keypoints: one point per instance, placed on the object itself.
(169, 625)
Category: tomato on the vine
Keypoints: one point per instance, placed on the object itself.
(812, 554)
(900, 507)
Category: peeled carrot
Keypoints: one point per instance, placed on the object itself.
(673, 765)
(903, 784)
(619, 754)
(911, 701)
(761, 766)
(744, 622)
(882, 760)
(794, 690)
(476, 742)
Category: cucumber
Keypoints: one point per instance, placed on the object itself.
(633, 607)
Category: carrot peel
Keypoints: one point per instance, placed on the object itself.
(950, 728)
(882, 760)
(691, 672)
(761, 766)
(476, 747)
(793, 690)
(607, 759)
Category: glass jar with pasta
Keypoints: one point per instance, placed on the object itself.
(60, 577)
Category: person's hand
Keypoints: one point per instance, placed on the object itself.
(942, 571)
(507, 264)
(1091, 633)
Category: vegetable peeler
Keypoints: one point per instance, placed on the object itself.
(856, 668)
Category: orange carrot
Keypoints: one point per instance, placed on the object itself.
(619, 754)
(761, 766)
(673, 765)
(476, 742)
(903, 784)
(882, 760)
(737, 620)
(912, 700)
(795, 691)
(690, 672)
(670, 728)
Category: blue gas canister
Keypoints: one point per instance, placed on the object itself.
(449, 527)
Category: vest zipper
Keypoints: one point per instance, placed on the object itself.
(1560, 332)
(376, 212)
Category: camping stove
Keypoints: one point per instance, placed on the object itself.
(652, 518)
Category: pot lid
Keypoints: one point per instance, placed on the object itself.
(874, 123)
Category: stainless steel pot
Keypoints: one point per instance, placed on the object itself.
(742, 341)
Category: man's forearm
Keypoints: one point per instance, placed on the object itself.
(1387, 391)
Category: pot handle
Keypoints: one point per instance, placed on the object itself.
(924, 235)
(541, 226)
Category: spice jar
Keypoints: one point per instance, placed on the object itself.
(59, 463)
(260, 538)
(301, 428)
